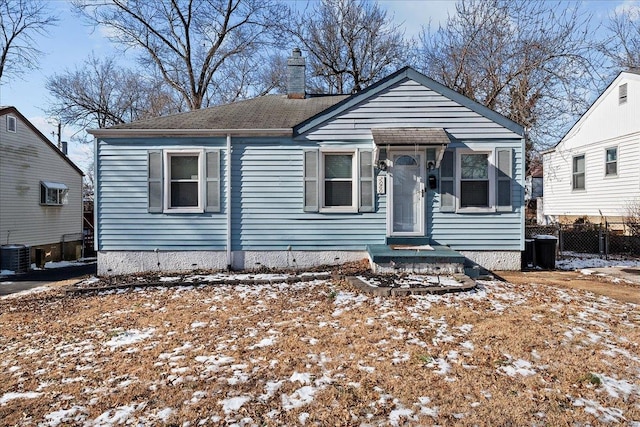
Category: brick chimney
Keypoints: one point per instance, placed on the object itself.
(295, 75)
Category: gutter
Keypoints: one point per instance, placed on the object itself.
(139, 133)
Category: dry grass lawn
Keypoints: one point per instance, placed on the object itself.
(319, 353)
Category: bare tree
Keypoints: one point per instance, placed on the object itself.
(271, 77)
(531, 60)
(100, 93)
(20, 22)
(350, 44)
(622, 47)
(187, 41)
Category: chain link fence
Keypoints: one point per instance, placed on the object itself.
(603, 239)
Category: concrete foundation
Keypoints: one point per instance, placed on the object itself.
(495, 260)
(128, 262)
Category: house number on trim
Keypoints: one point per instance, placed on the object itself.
(381, 185)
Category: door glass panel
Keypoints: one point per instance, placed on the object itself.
(407, 194)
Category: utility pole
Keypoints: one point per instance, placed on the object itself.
(59, 135)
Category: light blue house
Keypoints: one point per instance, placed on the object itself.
(298, 180)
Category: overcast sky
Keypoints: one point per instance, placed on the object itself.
(71, 42)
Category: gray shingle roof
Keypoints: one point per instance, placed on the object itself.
(410, 136)
(266, 112)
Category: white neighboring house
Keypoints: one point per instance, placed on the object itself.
(594, 171)
(40, 191)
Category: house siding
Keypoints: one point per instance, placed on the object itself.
(482, 231)
(123, 222)
(267, 203)
(410, 104)
(268, 181)
(603, 195)
(25, 160)
(607, 124)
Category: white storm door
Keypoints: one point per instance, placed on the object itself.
(407, 194)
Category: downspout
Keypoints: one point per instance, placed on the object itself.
(96, 187)
(228, 207)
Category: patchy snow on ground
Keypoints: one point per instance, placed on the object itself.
(579, 261)
(309, 352)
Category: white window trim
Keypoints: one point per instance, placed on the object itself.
(167, 154)
(584, 173)
(13, 119)
(610, 175)
(61, 189)
(491, 178)
(355, 167)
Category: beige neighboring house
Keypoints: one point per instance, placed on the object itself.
(594, 171)
(40, 192)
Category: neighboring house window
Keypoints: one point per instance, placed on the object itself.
(12, 124)
(53, 193)
(338, 181)
(475, 178)
(622, 94)
(578, 172)
(188, 181)
(611, 162)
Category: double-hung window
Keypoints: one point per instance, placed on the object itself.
(611, 161)
(338, 181)
(578, 178)
(476, 181)
(53, 193)
(184, 181)
(476, 177)
(184, 171)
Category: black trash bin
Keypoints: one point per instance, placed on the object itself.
(545, 250)
(528, 258)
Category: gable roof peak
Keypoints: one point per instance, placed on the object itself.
(408, 72)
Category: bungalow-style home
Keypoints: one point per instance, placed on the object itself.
(40, 192)
(298, 180)
(593, 171)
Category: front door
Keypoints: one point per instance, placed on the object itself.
(406, 215)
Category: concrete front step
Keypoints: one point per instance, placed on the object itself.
(421, 268)
(438, 260)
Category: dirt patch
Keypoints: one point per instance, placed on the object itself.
(599, 285)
